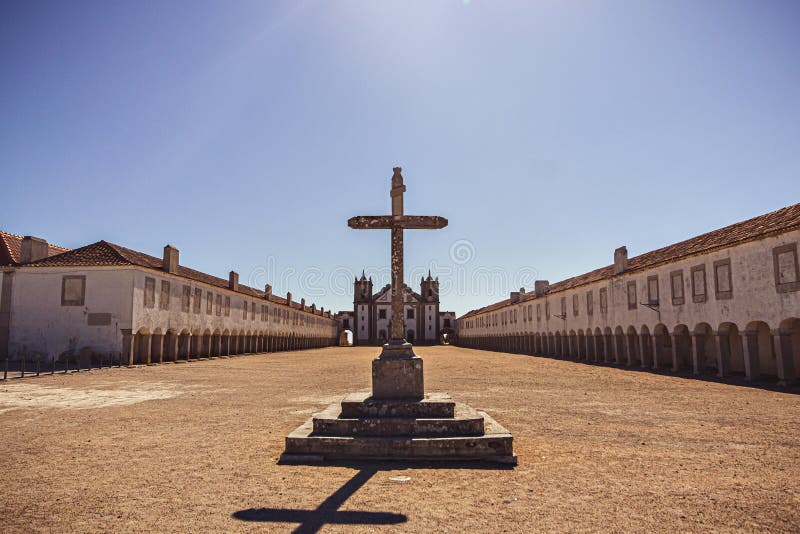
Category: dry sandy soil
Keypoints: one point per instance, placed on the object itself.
(193, 447)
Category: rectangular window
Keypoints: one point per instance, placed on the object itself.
(244, 309)
(227, 306)
(209, 303)
(186, 295)
(787, 272)
(676, 282)
(603, 300)
(538, 312)
(219, 305)
(447, 323)
(652, 290)
(149, 292)
(699, 283)
(575, 304)
(723, 282)
(163, 299)
(253, 312)
(563, 306)
(547, 310)
(198, 299)
(631, 295)
(73, 290)
(382, 314)
(589, 303)
(410, 313)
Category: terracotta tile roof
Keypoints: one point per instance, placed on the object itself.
(105, 254)
(776, 222)
(11, 248)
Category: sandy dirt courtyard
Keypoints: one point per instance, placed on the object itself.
(193, 448)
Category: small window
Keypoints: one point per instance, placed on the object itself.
(253, 312)
(575, 304)
(631, 295)
(149, 292)
(547, 310)
(209, 303)
(382, 313)
(244, 309)
(447, 323)
(563, 306)
(589, 303)
(603, 300)
(186, 295)
(219, 305)
(652, 290)
(538, 312)
(787, 272)
(723, 282)
(163, 299)
(676, 283)
(227, 306)
(73, 290)
(198, 300)
(699, 283)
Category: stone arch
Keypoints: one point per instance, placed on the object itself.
(184, 344)
(171, 345)
(572, 343)
(705, 349)
(156, 346)
(205, 344)
(599, 345)
(731, 350)
(141, 346)
(225, 344)
(787, 350)
(619, 345)
(608, 344)
(216, 343)
(682, 359)
(662, 347)
(633, 347)
(581, 344)
(590, 348)
(646, 347)
(760, 351)
(557, 339)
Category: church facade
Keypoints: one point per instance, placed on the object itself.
(371, 318)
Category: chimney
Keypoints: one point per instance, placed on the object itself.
(170, 263)
(514, 297)
(233, 281)
(302, 304)
(620, 260)
(541, 288)
(289, 298)
(268, 292)
(33, 249)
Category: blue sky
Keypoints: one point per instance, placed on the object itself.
(247, 133)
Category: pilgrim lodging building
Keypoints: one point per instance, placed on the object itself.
(107, 299)
(723, 303)
(371, 318)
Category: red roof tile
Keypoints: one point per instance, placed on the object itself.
(11, 248)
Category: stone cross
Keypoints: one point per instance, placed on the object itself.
(397, 222)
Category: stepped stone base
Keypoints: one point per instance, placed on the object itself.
(433, 428)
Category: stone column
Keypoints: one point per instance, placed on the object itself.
(656, 349)
(697, 339)
(751, 356)
(173, 340)
(160, 345)
(146, 341)
(784, 359)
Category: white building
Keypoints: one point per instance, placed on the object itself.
(104, 298)
(725, 302)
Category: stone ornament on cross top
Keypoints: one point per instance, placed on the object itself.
(397, 222)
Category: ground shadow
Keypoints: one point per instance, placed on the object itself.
(326, 513)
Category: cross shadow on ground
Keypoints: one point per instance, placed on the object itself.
(328, 513)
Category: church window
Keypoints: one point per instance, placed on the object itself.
(787, 272)
(699, 283)
(410, 313)
(209, 303)
(603, 300)
(163, 299)
(382, 313)
(430, 292)
(723, 282)
(149, 292)
(186, 296)
(589, 303)
(575, 305)
(227, 306)
(198, 299)
(632, 295)
(219, 305)
(676, 282)
(73, 290)
(652, 290)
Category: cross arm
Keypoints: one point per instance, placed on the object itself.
(387, 222)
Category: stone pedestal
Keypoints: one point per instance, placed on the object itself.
(397, 378)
